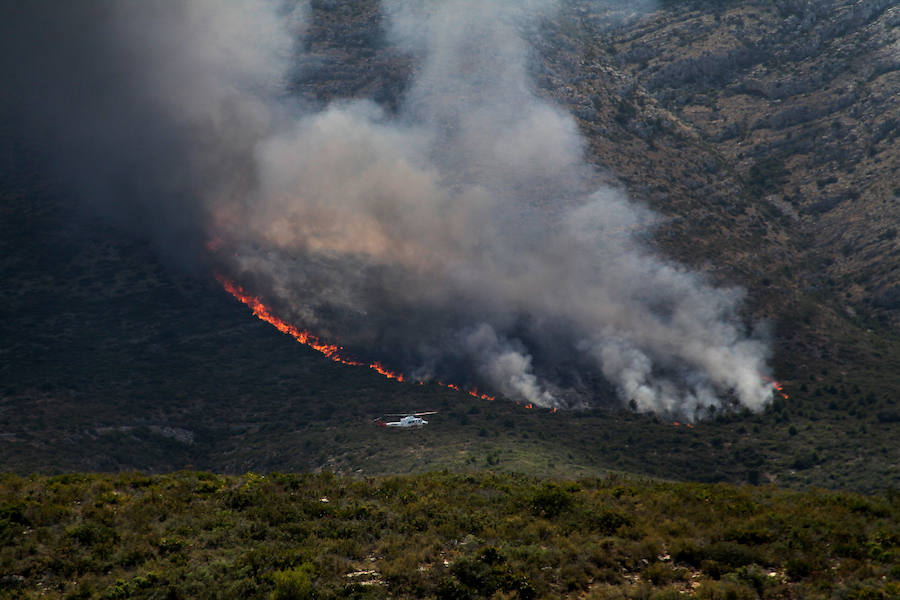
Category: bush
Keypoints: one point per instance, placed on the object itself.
(798, 568)
(663, 574)
(293, 584)
(484, 576)
(438, 535)
(731, 554)
(550, 501)
(725, 590)
(92, 534)
(608, 522)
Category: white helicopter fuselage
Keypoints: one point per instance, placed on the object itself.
(407, 421)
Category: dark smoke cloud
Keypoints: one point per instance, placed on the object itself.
(462, 238)
(150, 109)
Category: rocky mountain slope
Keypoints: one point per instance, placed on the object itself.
(762, 131)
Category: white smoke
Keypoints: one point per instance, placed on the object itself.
(507, 365)
(477, 193)
(461, 237)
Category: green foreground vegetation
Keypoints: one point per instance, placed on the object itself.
(438, 535)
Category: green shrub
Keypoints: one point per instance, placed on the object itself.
(170, 545)
(550, 501)
(671, 593)
(439, 535)
(293, 584)
(724, 590)
(92, 534)
(733, 555)
(753, 536)
(608, 521)
(659, 573)
(798, 567)
(484, 576)
(752, 575)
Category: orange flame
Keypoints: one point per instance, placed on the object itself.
(777, 387)
(384, 371)
(780, 390)
(476, 394)
(332, 351)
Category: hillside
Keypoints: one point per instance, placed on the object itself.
(772, 163)
(774, 121)
(117, 362)
(198, 535)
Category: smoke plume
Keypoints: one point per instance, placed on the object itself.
(460, 237)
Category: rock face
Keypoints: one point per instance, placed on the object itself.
(800, 101)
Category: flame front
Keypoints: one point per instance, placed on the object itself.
(332, 351)
(777, 387)
(384, 371)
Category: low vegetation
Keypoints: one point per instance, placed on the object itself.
(438, 535)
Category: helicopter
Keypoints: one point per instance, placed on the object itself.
(407, 420)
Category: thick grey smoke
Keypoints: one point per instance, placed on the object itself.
(150, 109)
(461, 238)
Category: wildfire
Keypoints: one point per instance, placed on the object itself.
(780, 390)
(332, 351)
(473, 392)
(384, 371)
(476, 394)
(777, 387)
